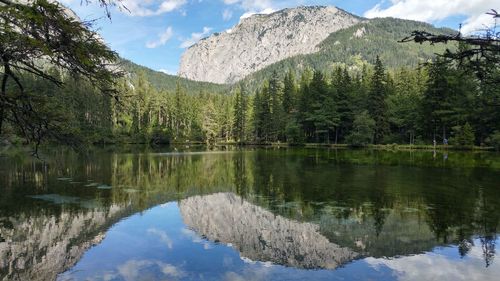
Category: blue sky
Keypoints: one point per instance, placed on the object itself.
(155, 33)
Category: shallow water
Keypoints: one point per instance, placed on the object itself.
(256, 214)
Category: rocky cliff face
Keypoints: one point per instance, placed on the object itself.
(261, 40)
(260, 235)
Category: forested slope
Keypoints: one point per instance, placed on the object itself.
(163, 81)
(363, 43)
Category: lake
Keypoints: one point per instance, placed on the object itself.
(251, 214)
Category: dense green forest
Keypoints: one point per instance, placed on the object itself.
(438, 102)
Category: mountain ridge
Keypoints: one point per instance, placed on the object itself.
(261, 40)
(348, 47)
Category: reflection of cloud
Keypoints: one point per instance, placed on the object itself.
(191, 235)
(195, 238)
(432, 266)
(249, 274)
(163, 236)
(132, 269)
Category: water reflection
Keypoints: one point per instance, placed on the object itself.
(253, 215)
(260, 235)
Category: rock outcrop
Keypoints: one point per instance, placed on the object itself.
(261, 40)
(259, 235)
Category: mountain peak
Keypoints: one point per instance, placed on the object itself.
(261, 40)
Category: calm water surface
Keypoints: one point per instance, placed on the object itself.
(257, 214)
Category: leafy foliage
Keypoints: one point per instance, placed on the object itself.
(39, 38)
(363, 130)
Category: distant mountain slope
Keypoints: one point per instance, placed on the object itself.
(364, 41)
(261, 40)
(163, 81)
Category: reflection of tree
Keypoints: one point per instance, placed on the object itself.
(487, 218)
(464, 246)
(374, 202)
(240, 174)
(488, 246)
(379, 217)
(463, 214)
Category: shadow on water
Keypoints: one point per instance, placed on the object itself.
(303, 209)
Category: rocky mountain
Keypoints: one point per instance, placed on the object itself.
(261, 40)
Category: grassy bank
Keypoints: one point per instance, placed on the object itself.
(346, 146)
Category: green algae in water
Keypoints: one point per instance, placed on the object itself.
(57, 199)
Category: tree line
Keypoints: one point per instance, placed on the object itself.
(350, 105)
(439, 102)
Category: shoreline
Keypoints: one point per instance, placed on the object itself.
(386, 147)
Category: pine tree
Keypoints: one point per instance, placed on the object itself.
(240, 113)
(436, 103)
(377, 106)
(341, 89)
(305, 104)
(263, 115)
(289, 93)
(277, 122)
(324, 114)
(210, 126)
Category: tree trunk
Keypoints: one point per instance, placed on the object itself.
(2, 101)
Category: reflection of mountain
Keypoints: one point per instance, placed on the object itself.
(260, 235)
(38, 247)
(401, 232)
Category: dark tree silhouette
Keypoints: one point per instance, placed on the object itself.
(38, 37)
(480, 52)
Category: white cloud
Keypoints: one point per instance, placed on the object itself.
(195, 37)
(167, 71)
(263, 12)
(432, 10)
(162, 40)
(257, 6)
(143, 8)
(249, 5)
(227, 14)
